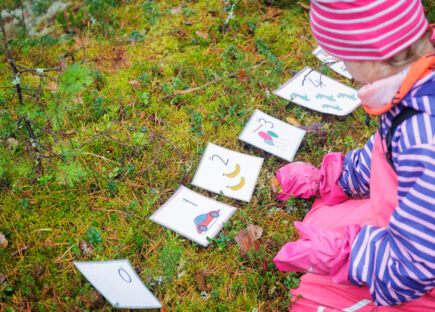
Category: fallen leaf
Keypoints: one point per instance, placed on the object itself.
(86, 247)
(80, 42)
(245, 243)
(180, 33)
(242, 76)
(2, 278)
(92, 300)
(250, 48)
(200, 281)
(202, 33)
(12, 143)
(135, 84)
(176, 10)
(52, 85)
(187, 23)
(78, 100)
(272, 12)
(3, 241)
(248, 240)
(305, 6)
(315, 127)
(293, 121)
(212, 12)
(254, 231)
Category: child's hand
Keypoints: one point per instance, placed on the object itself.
(296, 179)
(304, 180)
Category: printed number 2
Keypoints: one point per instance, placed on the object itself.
(220, 158)
(124, 275)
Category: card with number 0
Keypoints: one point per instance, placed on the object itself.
(119, 283)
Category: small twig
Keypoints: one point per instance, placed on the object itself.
(168, 96)
(230, 16)
(27, 89)
(33, 71)
(305, 6)
(189, 90)
(12, 64)
(317, 67)
(99, 156)
(51, 152)
(23, 21)
(170, 142)
(39, 90)
(34, 142)
(19, 251)
(62, 68)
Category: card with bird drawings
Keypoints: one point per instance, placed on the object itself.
(228, 172)
(315, 91)
(193, 215)
(272, 135)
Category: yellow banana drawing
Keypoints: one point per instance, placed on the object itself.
(239, 185)
(234, 173)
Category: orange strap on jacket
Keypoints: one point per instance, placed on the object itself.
(424, 66)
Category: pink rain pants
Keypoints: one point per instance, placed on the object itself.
(318, 293)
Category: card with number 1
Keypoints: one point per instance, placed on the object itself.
(193, 215)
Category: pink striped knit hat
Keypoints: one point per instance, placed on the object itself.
(367, 30)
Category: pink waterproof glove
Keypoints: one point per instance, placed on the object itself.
(319, 251)
(304, 180)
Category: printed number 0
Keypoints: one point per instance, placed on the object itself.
(124, 275)
(220, 158)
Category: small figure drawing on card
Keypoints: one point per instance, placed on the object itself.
(315, 91)
(272, 135)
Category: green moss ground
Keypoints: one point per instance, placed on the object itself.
(127, 134)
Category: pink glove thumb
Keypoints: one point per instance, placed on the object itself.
(329, 189)
(298, 179)
(319, 251)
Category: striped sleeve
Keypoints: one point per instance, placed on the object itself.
(398, 262)
(355, 177)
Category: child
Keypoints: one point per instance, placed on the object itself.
(383, 239)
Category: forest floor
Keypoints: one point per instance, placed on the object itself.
(157, 81)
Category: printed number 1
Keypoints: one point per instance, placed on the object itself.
(188, 201)
(124, 275)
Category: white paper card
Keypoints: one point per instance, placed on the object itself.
(193, 215)
(318, 92)
(118, 282)
(338, 67)
(228, 172)
(272, 135)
